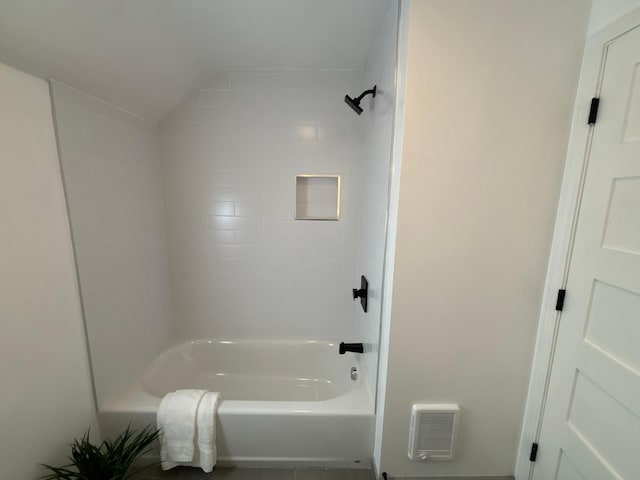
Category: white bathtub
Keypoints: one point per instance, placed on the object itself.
(284, 402)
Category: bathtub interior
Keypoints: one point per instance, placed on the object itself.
(254, 370)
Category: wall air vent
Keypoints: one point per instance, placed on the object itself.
(432, 431)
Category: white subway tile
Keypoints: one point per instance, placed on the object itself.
(234, 223)
(224, 208)
(220, 237)
(249, 237)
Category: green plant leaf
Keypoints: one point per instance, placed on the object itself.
(110, 460)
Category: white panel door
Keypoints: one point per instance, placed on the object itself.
(591, 423)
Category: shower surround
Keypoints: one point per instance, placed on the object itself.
(230, 155)
(113, 184)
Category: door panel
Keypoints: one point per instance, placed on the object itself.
(591, 423)
(619, 233)
(567, 470)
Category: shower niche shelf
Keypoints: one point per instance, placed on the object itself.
(317, 197)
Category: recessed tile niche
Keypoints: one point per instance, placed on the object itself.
(317, 197)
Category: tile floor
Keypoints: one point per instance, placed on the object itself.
(220, 473)
(279, 474)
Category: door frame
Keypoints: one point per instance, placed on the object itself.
(564, 231)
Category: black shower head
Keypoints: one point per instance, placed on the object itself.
(354, 103)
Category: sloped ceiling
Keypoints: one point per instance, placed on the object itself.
(145, 56)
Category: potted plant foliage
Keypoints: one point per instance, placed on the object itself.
(110, 460)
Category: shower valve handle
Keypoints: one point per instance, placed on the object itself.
(362, 293)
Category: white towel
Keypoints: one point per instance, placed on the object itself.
(182, 417)
(177, 423)
(207, 430)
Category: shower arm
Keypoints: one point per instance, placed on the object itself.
(365, 93)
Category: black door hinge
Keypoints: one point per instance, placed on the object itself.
(534, 452)
(593, 111)
(560, 300)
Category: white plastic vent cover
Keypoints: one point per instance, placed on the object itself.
(432, 431)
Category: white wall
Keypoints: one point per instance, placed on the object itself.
(490, 88)
(241, 266)
(604, 12)
(375, 168)
(113, 181)
(46, 392)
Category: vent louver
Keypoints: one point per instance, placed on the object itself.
(432, 431)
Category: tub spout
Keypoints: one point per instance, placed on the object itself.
(351, 347)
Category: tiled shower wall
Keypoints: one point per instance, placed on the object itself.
(241, 266)
(113, 183)
(378, 131)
